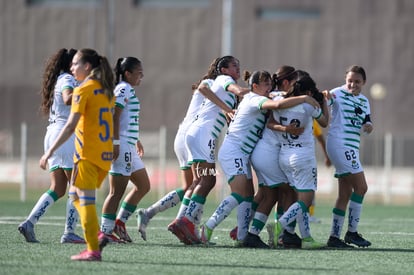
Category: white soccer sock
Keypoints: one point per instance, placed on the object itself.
(338, 218)
(107, 225)
(222, 211)
(243, 219)
(123, 215)
(354, 213)
(168, 201)
(194, 212)
(290, 215)
(258, 223)
(72, 217)
(303, 223)
(183, 207)
(40, 208)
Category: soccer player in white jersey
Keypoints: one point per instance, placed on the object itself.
(297, 157)
(350, 117)
(243, 133)
(272, 182)
(128, 150)
(58, 85)
(201, 90)
(270, 177)
(201, 140)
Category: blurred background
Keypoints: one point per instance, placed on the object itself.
(177, 39)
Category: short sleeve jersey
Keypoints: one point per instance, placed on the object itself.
(303, 115)
(248, 123)
(59, 111)
(94, 131)
(126, 99)
(210, 114)
(348, 113)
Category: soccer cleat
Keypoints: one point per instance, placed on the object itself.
(356, 239)
(142, 222)
(173, 228)
(111, 238)
(291, 240)
(334, 242)
(189, 230)
(71, 238)
(310, 243)
(277, 231)
(26, 228)
(205, 234)
(254, 241)
(121, 232)
(233, 233)
(87, 256)
(103, 241)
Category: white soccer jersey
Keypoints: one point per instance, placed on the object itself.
(129, 119)
(58, 116)
(347, 116)
(302, 115)
(247, 126)
(297, 153)
(59, 111)
(210, 115)
(179, 141)
(195, 104)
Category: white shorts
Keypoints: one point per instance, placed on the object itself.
(63, 156)
(128, 160)
(201, 146)
(180, 148)
(346, 160)
(265, 162)
(233, 161)
(300, 168)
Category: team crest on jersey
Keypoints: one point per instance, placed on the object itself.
(355, 164)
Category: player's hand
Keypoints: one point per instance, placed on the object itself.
(367, 128)
(140, 149)
(294, 130)
(43, 162)
(326, 94)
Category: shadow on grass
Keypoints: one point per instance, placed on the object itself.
(216, 246)
(232, 266)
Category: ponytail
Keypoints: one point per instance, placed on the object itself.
(101, 70)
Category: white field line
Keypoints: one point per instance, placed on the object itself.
(58, 221)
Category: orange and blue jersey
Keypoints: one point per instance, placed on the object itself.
(94, 131)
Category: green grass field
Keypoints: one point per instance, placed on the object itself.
(389, 228)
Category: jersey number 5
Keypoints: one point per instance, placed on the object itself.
(105, 135)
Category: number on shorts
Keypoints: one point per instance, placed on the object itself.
(238, 163)
(212, 144)
(350, 155)
(127, 156)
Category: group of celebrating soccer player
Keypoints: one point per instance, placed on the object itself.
(94, 130)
